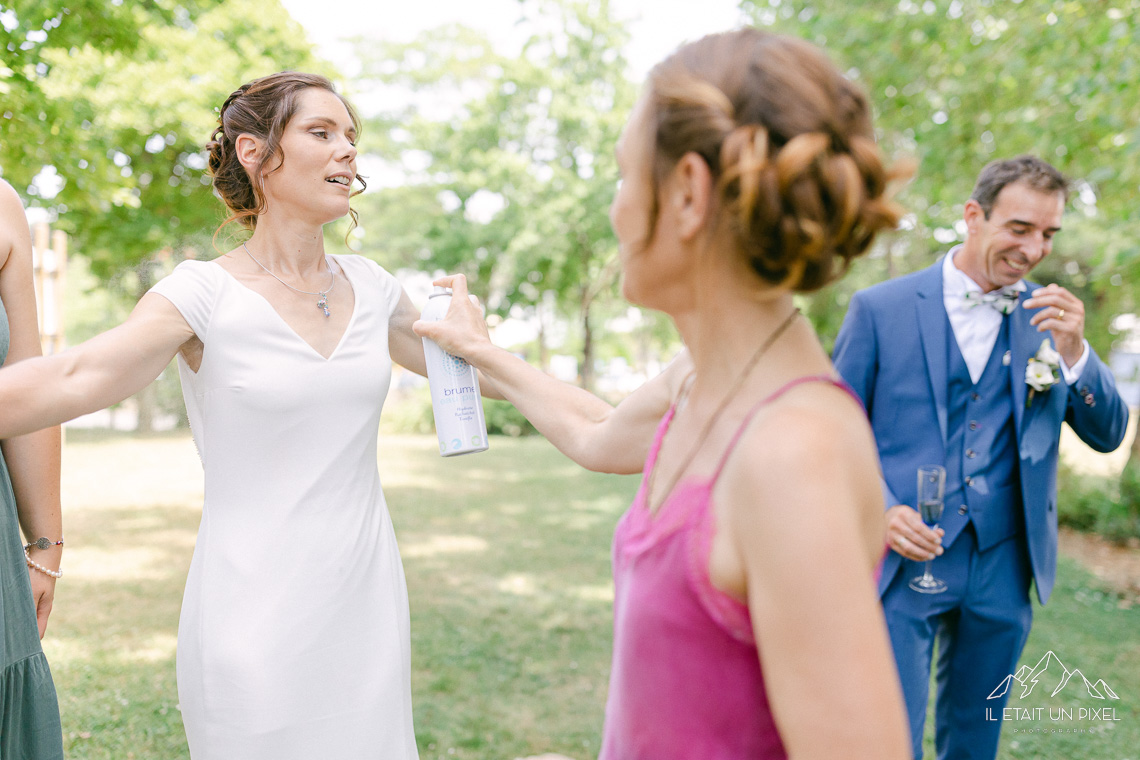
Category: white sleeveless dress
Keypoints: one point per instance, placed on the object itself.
(294, 639)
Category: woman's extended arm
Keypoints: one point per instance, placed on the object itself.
(585, 428)
(33, 459)
(104, 370)
(804, 511)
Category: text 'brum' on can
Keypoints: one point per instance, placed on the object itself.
(455, 399)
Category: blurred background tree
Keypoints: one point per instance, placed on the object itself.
(510, 184)
(958, 83)
(107, 110)
(501, 165)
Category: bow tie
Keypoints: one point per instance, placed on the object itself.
(1003, 301)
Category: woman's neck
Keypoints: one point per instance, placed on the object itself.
(723, 333)
(293, 249)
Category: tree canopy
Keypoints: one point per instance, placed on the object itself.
(119, 100)
(511, 182)
(957, 83)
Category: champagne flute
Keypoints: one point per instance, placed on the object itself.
(931, 485)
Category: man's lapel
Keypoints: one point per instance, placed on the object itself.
(932, 329)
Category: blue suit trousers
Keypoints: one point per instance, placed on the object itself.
(980, 623)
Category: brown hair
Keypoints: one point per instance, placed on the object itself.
(1034, 172)
(263, 109)
(789, 141)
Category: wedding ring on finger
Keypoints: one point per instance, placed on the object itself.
(1060, 315)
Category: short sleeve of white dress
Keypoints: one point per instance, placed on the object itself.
(388, 283)
(193, 288)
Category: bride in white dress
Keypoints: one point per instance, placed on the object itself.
(294, 637)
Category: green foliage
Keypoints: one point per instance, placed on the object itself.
(1109, 507)
(504, 419)
(957, 83)
(135, 183)
(410, 413)
(129, 111)
(35, 129)
(510, 184)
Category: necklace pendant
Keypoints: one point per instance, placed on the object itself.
(323, 304)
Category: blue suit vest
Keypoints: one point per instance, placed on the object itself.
(982, 485)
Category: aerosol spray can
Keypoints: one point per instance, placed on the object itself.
(455, 399)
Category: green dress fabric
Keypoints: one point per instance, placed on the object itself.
(29, 711)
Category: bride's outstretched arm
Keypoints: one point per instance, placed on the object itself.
(46, 391)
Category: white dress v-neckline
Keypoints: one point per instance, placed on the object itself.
(285, 323)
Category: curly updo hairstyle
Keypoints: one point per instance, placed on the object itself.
(800, 181)
(261, 108)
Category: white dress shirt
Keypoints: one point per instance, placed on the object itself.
(976, 329)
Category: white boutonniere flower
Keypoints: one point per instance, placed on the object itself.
(1043, 371)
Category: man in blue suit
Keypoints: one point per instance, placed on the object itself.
(968, 366)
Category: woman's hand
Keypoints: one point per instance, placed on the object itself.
(43, 592)
(463, 331)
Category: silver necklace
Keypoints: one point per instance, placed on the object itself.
(323, 295)
(683, 396)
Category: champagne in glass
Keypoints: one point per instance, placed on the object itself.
(931, 485)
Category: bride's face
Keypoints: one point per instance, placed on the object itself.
(317, 165)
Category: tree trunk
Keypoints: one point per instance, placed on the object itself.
(1134, 453)
(146, 400)
(544, 312)
(587, 370)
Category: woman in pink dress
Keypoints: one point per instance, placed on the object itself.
(746, 623)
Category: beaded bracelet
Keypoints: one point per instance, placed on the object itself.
(57, 574)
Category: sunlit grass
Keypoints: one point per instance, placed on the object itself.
(507, 559)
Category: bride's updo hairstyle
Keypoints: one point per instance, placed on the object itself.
(261, 108)
(800, 181)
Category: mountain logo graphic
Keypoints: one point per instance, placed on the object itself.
(1027, 677)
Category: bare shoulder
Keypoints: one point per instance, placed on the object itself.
(10, 199)
(807, 465)
(809, 425)
(13, 222)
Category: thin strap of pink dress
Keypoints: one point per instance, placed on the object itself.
(730, 613)
(769, 399)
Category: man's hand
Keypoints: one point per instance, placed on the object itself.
(908, 535)
(1063, 314)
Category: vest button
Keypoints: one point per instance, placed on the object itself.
(973, 425)
(962, 509)
(969, 481)
(970, 453)
(975, 397)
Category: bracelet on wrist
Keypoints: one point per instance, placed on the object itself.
(43, 543)
(57, 574)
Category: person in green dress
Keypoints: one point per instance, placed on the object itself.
(29, 500)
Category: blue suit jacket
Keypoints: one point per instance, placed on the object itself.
(892, 349)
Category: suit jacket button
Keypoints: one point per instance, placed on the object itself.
(973, 425)
(962, 509)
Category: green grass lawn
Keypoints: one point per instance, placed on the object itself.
(507, 558)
